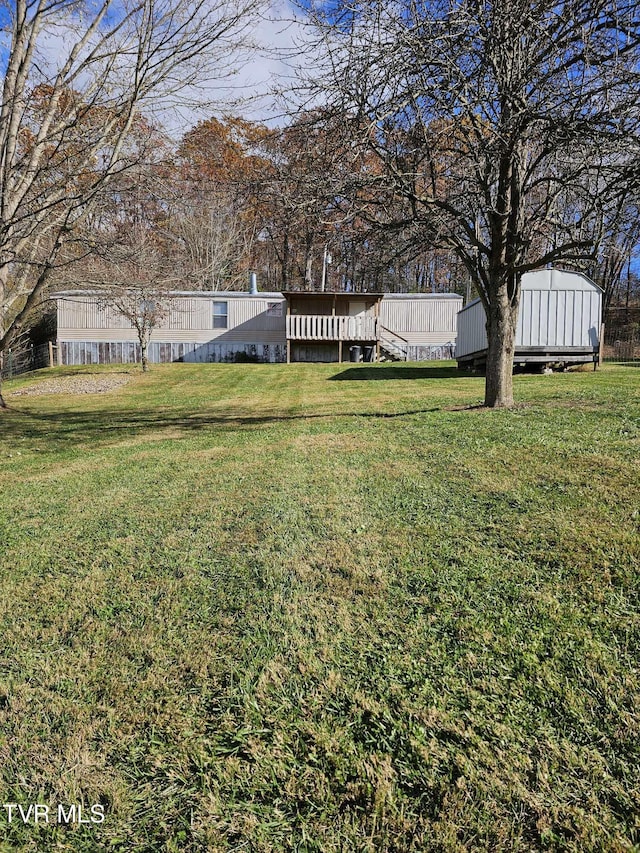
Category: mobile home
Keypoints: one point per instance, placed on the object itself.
(266, 327)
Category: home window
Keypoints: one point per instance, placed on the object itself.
(220, 315)
(274, 309)
(146, 307)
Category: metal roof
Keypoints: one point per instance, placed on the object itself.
(284, 294)
(204, 294)
(343, 294)
(550, 279)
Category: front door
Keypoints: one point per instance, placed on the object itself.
(357, 310)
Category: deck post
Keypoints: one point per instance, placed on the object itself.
(287, 321)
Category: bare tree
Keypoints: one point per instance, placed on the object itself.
(132, 278)
(69, 113)
(614, 228)
(210, 239)
(126, 255)
(482, 116)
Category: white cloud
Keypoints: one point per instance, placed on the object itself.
(257, 87)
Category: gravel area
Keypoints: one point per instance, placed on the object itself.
(73, 385)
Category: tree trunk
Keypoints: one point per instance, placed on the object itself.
(143, 356)
(4, 274)
(308, 271)
(501, 336)
(285, 262)
(308, 262)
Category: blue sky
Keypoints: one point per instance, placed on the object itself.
(278, 35)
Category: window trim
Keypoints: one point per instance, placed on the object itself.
(275, 309)
(221, 316)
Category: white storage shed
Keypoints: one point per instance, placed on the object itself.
(559, 322)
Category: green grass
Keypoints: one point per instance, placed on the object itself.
(268, 608)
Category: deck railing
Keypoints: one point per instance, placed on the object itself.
(318, 327)
(393, 343)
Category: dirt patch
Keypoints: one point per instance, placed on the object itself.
(73, 385)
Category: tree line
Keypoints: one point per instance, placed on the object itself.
(234, 196)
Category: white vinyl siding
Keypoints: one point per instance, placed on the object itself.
(189, 318)
(422, 320)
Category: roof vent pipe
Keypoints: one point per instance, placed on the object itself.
(253, 283)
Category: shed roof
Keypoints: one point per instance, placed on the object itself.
(552, 279)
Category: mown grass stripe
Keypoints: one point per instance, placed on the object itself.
(257, 605)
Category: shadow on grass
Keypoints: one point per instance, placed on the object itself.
(84, 427)
(393, 372)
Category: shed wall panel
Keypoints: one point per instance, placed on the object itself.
(549, 318)
(472, 333)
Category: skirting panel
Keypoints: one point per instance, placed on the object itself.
(431, 353)
(128, 352)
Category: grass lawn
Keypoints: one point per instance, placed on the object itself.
(322, 608)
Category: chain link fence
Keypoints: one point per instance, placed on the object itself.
(622, 349)
(622, 335)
